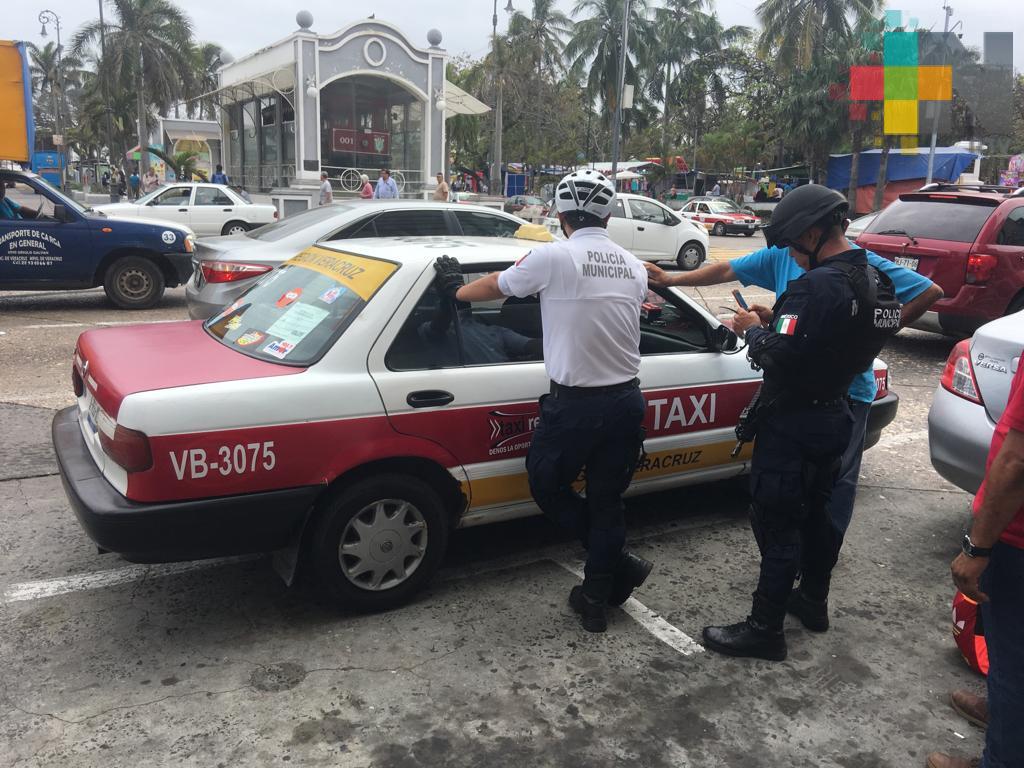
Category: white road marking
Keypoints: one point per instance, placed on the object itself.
(901, 438)
(671, 636)
(101, 323)
(36, 590)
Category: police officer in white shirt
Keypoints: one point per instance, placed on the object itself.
(590, 295)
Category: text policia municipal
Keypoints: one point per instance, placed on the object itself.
(607, 265)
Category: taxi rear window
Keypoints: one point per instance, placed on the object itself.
(293, 315)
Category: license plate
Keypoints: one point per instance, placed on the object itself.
(92, 414)
(910, 262)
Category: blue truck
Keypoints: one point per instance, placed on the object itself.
(48, 241)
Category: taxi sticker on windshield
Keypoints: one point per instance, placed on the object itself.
(225, 312)
(249, 338)
(359, 274)
(330, 295)
(279, 349)
(295, 324)
(289, 296)
(234, 323)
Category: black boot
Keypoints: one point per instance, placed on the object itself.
(590, 601)
(812, 613)
(759, 637)
(631, 572)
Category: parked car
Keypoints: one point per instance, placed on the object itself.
(971, 397)
(325, 412)
(858, 225)
(54, 243)
(653, 232)
(226, 267)
(208, 209)
(968, 240)
(517, 203)
(721, 217)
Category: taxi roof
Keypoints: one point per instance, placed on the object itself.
(425, 250)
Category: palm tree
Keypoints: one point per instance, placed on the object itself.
(543, 32)
(207, 60)
(149, 46)
(798, 29)
(596, 45)
(49, 68)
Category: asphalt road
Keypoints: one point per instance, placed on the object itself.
(104, 663)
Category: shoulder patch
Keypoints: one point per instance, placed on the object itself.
(786, 324)
(523, 258)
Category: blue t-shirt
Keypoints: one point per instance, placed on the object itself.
(773, 268)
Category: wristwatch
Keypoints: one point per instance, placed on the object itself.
(972, 551)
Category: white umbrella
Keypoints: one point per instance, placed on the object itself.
(626, 175)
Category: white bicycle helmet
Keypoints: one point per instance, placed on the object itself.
(587, 190)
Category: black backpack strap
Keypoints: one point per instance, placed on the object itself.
(864, 284)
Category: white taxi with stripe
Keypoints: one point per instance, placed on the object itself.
(343, 411)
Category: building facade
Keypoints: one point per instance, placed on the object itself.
(351, 102)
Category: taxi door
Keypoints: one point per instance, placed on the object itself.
(173, 204)
(39, 247)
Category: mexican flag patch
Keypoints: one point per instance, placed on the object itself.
(786, 324)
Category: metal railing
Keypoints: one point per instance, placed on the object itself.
(409, 182)
(261, 178)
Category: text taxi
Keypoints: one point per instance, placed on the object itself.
(49, 242)
(341, 411)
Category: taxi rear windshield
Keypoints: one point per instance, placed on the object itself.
(296, 313)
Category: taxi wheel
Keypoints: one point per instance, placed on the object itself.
(133, 282)
(748, 234)
(690, 256)
(235, 228)
(379, 541)
(718, 229)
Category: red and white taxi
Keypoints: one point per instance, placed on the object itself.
(721, 216)
(342, 412)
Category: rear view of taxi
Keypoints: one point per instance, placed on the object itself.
(343, 411)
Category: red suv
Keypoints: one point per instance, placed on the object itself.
(968, 239)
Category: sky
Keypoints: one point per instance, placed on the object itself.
(244, 26)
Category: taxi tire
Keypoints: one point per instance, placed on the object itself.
(241, 226)
(138, 264)
(681, 259)
(336, 511)
(718, 229)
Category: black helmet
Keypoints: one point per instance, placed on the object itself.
(801, 209)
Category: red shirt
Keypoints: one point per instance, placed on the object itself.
(1012, 418)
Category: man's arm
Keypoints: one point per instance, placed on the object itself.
(1004, 488)
(482, 289)
(712, 274)
(917, 306)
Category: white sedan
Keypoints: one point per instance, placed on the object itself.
(209, 209)
(652, 231)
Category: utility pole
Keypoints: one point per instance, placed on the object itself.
(617, 127)
(938, 104)
(496, 153)
(45, 17)
(106, 97)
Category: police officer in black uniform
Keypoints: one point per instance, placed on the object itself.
(828, 326)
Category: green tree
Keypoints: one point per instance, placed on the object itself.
(797, 31)
(542, 34)
(596, 46)
(149, 52)
(206, 61)
(48, 69)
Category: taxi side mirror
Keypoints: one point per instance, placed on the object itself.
(723, 339)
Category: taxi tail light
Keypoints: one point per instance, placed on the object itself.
(958, 377)
(980, 267)
(128, 447)
(229, 271)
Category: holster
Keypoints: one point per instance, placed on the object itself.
(746, 427)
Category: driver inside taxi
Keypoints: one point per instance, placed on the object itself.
(481, 343)
(10, 209)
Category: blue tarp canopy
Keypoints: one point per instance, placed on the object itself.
(904, 165)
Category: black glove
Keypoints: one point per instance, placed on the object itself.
(449, 275)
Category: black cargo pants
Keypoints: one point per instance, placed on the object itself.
(601, 433)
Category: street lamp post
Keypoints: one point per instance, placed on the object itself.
(938, 104)
(617, 128)
(46, 17)
(496, 153)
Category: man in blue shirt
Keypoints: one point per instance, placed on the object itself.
(773, 269)
(386, 187)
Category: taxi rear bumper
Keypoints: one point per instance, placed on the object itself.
(883, 411)
(178, 530)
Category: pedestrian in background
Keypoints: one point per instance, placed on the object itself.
(133, 183)
(716, 190)
(386, 187)
(219, 177)
(591, 291)
(990, 571)
(326, 190)
(441, 191)
(366, 191)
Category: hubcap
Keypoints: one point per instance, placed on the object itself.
(383, 544)
(236, 230)
(691, 258)
(134, 283)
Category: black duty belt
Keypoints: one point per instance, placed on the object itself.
(560, 390)
(807, 402)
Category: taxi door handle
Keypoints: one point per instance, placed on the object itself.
(639, 229)
(426, 398)
(227, 210)
(183, 210)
